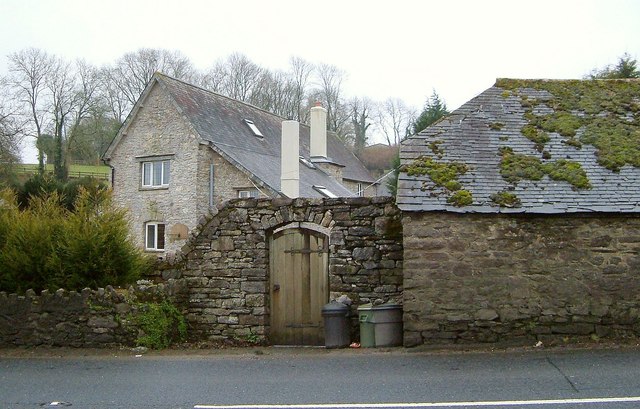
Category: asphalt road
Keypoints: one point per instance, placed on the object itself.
(322, 379)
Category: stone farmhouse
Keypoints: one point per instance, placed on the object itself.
(184, 150)
(521, 215)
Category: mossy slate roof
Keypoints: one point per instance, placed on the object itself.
(492, 122)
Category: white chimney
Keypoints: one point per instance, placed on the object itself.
(318, 144)
(290, 159)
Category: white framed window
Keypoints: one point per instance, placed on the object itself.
(156, 173)
(253, 128)
(247, 193)
(360, 190)
(324, 191)
(154, 236)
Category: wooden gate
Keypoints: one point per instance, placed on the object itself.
(298, 260)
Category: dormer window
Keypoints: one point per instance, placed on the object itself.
(253, 128)
(324, 191)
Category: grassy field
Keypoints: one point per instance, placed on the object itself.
(75, 171)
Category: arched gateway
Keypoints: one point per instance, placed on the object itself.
(299, 285)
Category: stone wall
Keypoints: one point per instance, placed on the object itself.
(225, 262)
(90, 318)
(488, 278)
(220, 280)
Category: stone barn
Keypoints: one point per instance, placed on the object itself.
(521, 216)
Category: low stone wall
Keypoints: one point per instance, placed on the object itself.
(225, 263)
(89, 318)
(518, 278)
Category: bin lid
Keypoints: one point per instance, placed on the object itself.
(334, 307)
(365, 307)
(388, 306)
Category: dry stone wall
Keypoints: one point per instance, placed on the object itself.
(89, 318)
(225, 264)
(520, 279)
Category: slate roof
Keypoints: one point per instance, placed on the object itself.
(475, 133)
(220, 121)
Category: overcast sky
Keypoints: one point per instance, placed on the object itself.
(400, 48)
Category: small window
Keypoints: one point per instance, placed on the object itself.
(156, 173)
(154, 236)
(244, 194)
(254, 128)
(360, 190)
(324, 191)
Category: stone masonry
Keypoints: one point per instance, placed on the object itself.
(220, 280)
(520, 278)
(151, 136)
(225, 262)
(159, 131)
(89, 318)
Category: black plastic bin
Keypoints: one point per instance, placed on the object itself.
(336, 325)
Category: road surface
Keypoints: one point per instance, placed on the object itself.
(323, 379)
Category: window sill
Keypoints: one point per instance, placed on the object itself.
(153, 188)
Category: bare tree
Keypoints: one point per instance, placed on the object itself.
(243, 77)
(61, 83)
(300, 72)
(83, 102)
(394, 119)
(282, 92)
(112, 96)
(274, 93)
(134, 70)
(53, 96)
(330, 80)
(28, 72)
(360, 119)
(10, 132)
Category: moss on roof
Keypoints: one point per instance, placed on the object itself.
(506, 199)
(601, 113)
(444, 175)
(515, 167)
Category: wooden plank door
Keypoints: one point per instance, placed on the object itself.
(298, 263)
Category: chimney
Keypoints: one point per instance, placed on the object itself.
(290, 159)
(318, 144)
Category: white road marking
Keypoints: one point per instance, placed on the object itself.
(540, 402)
